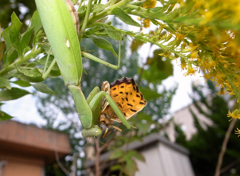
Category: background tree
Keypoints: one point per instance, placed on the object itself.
(204, 146)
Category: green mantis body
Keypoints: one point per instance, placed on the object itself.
(62, 35)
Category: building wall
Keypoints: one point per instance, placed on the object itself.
(21, 166)
(25, 149)
(162, 160)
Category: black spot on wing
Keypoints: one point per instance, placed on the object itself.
(133, 110)
(129, 105)
(119, 105)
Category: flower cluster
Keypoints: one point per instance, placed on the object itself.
(234, 115)
(149, 4)
(204, 35)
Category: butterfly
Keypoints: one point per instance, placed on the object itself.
(128, 98)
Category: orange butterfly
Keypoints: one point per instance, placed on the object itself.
(128, 98)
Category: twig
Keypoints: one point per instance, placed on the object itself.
(224, 146)
(99, 150)
(229, 166)
(104, 146)
(60, 164)
(97, 157)
(74, 164)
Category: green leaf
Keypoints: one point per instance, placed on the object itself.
(25, 39)
(116, 167)
(118, 12)
(9, 56)
(28, 78)
(11, 35)
(43, 88)
(4, 116)
(98, 7)
(30, 72)
(113, 33)
(144, 116)
(36, 23)
(158, 69)
(143, 122)
(131, 167)
(43, 60)
(4, 83)
(137, 155)
(22, 83)
(116, 154)
(149, 93)
(103, 43)
(136, 44)
(14, 93)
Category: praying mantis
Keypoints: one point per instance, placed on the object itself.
(63, 38)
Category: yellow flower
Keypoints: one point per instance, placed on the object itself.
(235, 114)
(146, 23)
(208, 16)
(221, 92)
(149, 4)
(183, 64)
(180, 36)
(237, 132)
(190, 71)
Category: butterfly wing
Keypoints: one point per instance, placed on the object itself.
(127, 96)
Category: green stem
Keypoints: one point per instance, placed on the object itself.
(107, 11)
(45, 67)
(85, 19)
(230, 81)
(20, 61)
(96, 59)
(145, 39)
(45, 74)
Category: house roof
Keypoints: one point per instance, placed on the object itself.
(139, 145)
(28, 140)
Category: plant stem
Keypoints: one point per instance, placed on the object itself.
(85, 19)
(94, 58)
(97, 157)
(45, 67)
(107, 11)
(20, 61)
(45, 74)
(224, 146)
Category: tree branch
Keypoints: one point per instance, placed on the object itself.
(60, 164)
(224, 146)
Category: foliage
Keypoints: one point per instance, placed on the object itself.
(184, 29)
(203, 35)
(204, 146)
